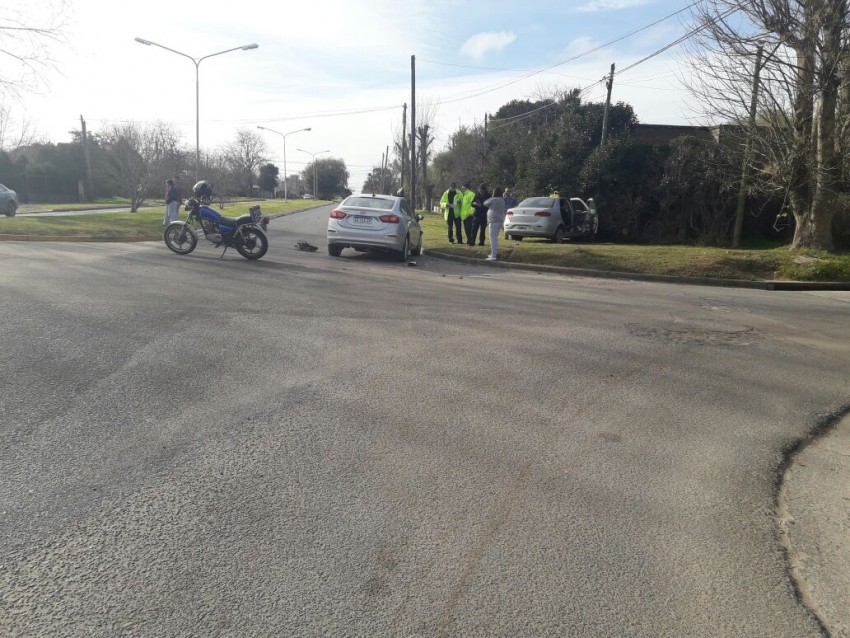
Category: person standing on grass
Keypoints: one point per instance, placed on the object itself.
(450, 202)
(466, 210)
(496, 209)
(172, 202)
(510, 200)
(479, 222)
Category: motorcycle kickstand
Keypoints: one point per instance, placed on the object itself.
(222, 254)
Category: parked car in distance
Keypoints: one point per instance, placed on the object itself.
(554, 218)
(8, 201)
(375, 222)
(306, 196)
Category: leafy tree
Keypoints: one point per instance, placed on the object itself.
(331, 176)
(381, 181)
(268, 177)
(624, 179)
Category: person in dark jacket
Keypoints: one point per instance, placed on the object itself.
(479, 217)
(510, 200)
(172, 202)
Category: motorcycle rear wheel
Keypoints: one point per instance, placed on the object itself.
(180, 238)
(252, 244)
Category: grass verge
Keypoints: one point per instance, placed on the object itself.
(682, 261)
(143, 225)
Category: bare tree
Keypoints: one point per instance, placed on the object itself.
(139, 157)
(15, 133)
(26, 37)
(244, 156)
(802, 103)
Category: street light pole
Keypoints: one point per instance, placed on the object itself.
(285, 186)
(315, 191)
(197, 63)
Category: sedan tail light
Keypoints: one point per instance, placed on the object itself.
(510, 212)
(390, 219)
(337, 214)
(543, 213)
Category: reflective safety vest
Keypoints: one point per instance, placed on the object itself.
(466, 203)
(444, 203)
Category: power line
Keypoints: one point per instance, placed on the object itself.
(572, 59)
(516, 118)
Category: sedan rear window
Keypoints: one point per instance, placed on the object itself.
(370, 202)
(536, 202)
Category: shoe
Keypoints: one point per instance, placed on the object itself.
(490, 258)
(451, 241)
(481, 244)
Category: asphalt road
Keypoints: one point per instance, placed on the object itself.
(309, 446)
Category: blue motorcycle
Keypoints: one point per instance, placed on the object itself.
(244, 233)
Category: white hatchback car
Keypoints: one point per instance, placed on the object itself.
(375, 222)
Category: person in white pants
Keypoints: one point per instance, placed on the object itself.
(172, 203)
(495, 220)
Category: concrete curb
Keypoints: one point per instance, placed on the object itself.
(78, 238)
(667, 279)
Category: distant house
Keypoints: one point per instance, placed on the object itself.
(663, 134)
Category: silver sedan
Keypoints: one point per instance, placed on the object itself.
(8, 201)
(552, 217)
(375, 222)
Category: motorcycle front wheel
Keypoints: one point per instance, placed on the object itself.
(252, 243)
(180, 238)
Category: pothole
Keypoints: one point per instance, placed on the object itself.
(697, 331)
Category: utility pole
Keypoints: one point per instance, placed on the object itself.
(609, 84)
(413, 131)
(486, 117)
(748, 151)
(423, 153)
(386, 167)
(403, 144)
(87, 158)
(382, 173)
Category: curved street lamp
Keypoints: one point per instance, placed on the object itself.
(285, 191)
(197, 62)
(315, 192)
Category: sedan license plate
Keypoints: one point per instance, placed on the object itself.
(362, 220)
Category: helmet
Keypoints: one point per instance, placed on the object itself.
(202, 189)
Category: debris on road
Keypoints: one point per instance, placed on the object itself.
(303, 245)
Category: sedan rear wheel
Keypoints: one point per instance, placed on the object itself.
(13, 208)
(404, 253)
(334, 251)
(558, 237)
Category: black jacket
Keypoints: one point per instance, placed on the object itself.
(480, 213)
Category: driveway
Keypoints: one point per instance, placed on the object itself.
(315, 446)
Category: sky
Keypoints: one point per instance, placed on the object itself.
(321, 61)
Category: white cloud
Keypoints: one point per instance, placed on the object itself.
(480, 44)
(611, 5)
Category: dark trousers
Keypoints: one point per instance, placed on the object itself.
(479, 226)
(454, 225)
(467, 226)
